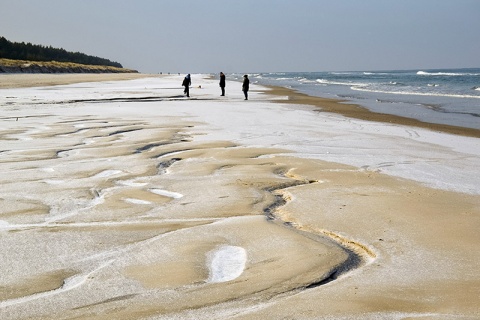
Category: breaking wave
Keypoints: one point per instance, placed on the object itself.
(453, 74)
(414, 93)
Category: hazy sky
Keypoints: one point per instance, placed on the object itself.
(254, 35)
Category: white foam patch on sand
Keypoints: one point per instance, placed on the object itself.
(4, 224)
(131, 183)
(136, 201)
(226, 263)
(166, 193)
(107, 173)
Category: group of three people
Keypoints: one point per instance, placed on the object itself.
(187, 82)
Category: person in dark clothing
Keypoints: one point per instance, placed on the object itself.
(222, 83)
(187, 82)
(245, 86)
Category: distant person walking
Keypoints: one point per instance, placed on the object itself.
(187, 82)
(245, 86)
(222, 83)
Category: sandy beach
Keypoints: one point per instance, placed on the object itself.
(123, 199)
(25, 80)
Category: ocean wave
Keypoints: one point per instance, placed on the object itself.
(357, 73)
(280, 79)
(305, 80)
(378, 73)
(453, 74)
(351, 84)
(342, 73)
(412, 93)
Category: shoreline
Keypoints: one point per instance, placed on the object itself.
(355, 111)
(321, 104)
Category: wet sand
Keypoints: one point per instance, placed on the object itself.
(358, 112)
(118, 216)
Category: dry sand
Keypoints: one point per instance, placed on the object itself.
(324, 240)
(24, 80)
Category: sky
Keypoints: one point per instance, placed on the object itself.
(209, 36)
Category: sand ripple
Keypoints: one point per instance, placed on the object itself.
(93, 190)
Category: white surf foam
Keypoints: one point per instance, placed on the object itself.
(413, 93)
(453, 74)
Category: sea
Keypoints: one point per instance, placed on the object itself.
(444, 96)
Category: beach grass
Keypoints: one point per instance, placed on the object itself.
(9, 65)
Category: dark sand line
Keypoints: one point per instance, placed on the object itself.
(358, 254)
(358, 112)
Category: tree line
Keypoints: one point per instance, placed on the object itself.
(33, 52)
